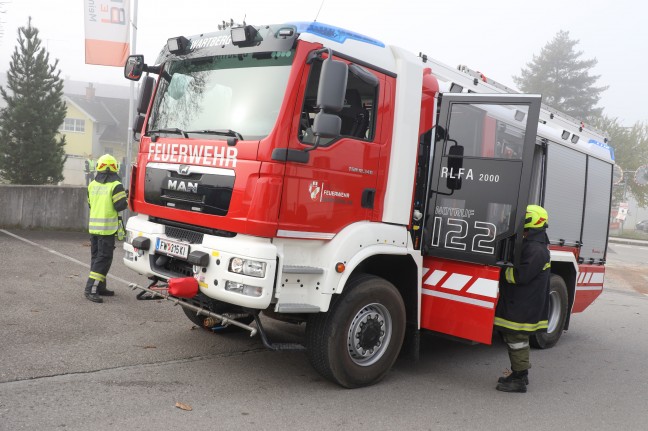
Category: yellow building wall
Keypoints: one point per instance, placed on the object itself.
(78, 143)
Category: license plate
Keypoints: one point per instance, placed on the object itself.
(172, 248)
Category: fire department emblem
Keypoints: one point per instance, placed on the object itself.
(314, 189)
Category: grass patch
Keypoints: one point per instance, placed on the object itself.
(629, 234)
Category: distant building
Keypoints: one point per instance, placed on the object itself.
(94, 125)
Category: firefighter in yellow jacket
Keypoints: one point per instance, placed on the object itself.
(106, 197)
(523, 307)
(89, 169)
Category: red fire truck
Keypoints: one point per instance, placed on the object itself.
(319, 176)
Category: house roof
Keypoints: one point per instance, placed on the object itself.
(107, 111)
(80, 87)
(101, 89)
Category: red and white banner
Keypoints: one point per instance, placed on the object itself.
(107, 31)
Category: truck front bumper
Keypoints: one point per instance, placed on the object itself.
(239, 270)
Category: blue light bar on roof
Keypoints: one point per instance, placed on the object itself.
(333, 33)
(602, 145)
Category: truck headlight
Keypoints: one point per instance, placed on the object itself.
(253, 268)
(129, 236)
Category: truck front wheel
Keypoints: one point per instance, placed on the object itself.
(358, 340)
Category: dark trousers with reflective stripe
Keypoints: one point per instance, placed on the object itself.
(101, 257)
(518, 350)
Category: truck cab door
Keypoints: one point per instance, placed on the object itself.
(476, 204)
(334, 185)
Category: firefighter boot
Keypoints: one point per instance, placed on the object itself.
(516, 382)
(91, 293)
(514, 374)
(104, 291)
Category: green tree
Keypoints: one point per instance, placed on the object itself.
(31, 150)
(630, 153)
(563, 79)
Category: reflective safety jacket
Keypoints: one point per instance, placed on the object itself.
(523, 305)
(90, 165)
(106, 197)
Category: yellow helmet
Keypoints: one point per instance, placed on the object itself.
(107, 162)
(536, 217)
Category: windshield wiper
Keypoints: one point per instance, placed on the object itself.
(173, 130)
(225, 132)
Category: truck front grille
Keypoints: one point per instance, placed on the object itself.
(170, 266)
(184, 235)
(182, 196)
(191, 188)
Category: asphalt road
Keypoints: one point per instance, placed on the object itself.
(628, 263)
(67, 363)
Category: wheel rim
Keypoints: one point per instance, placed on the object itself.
(369, 334)
(554, 311)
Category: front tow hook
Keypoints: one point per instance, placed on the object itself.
(154, 293)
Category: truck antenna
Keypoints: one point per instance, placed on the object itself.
(319, 10)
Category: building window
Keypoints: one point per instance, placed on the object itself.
(73, 125)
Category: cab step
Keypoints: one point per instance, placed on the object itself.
(296, 269)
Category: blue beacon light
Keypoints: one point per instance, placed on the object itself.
(333, 33)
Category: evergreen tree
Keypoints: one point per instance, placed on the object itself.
(563, 79)
(31, 150)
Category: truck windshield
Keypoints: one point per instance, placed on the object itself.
(242, 93)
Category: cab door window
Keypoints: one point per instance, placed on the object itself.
(358, 114)
(482, 166)
(497, 132)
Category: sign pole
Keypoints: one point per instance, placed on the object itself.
(131, 109)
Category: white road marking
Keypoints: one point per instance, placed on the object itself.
(71, 259)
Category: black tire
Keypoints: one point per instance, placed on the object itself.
(557, 315)
(219, 308)
(358, 340)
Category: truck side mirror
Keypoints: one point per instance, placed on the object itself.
(134, 67)
(146, 90)
(138, 124)
(326, 125)
(332, 85)
(330, 99)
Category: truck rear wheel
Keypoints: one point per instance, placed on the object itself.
(358, 340)
(557, 315)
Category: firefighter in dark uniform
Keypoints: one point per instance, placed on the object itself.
(523, 306)
(106, 197)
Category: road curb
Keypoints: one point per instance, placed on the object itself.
(628, 241)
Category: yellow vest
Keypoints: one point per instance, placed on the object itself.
(103, 217)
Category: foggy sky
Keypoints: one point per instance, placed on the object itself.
(498, 38)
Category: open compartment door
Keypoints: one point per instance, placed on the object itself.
(476, 202)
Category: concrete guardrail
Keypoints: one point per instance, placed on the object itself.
(44, 207)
